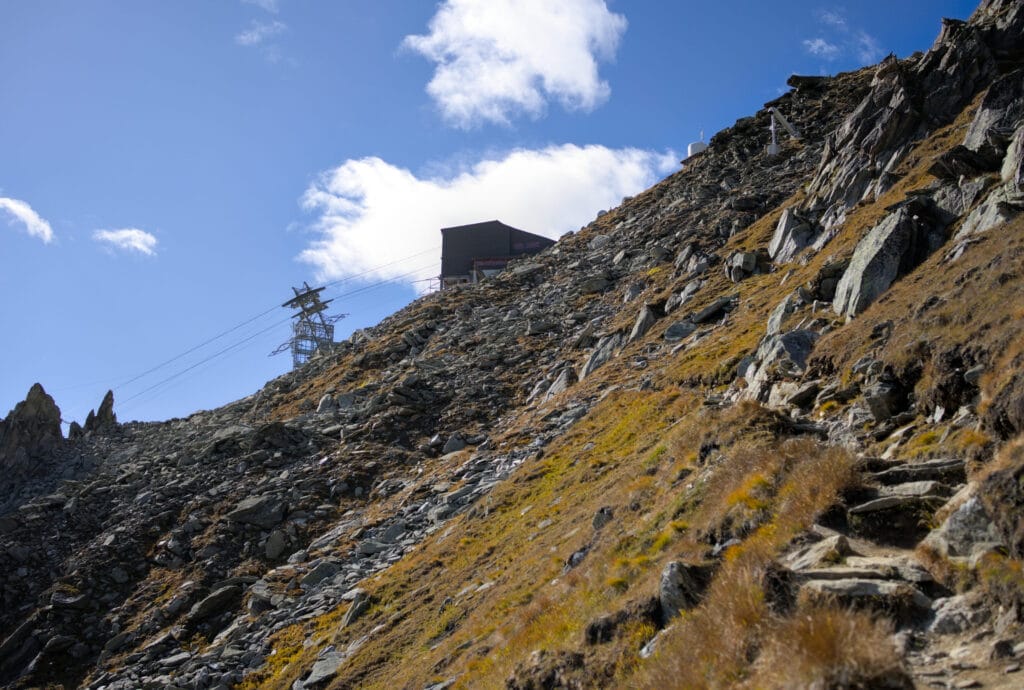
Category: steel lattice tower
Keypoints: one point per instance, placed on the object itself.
(311, 331)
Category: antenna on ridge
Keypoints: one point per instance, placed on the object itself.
(311, 331)
(697, 146)
(773, 148)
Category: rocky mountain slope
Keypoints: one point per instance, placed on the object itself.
(756, 427)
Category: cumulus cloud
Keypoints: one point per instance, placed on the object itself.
(259, 32)
(842, 39)
(821, 48)
(500, 58)
(834, 19)
(128, 240)
(268, 5)
(372, 214)
(21, 213)
(868, 49)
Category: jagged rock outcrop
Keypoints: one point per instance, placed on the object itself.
(29, 432)
(103, 419)
(891, 249)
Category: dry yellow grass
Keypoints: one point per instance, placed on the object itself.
(829, 648)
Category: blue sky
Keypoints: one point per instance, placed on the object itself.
(169, 169)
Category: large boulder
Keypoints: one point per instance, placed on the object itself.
(999, 114)
(1013, 164)
(890, 250)
(778, 357)
(262, 511)
(792, 233)
(681, 587)
(967, 529)
(604, 351)
(1002, 494)
(29, 433)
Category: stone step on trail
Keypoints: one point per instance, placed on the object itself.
(901, 601)
(894, 520)
(949, 471)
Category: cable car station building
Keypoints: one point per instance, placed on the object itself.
(470, 253)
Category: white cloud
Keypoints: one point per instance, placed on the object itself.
(372, 213)
(259, 32)
(268, 5)
(128, 239)
(843, 40)
(821, 48)
(868, 49)
(20, 211)
(500, 58)
(834, 19)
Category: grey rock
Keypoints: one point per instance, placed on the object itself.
(603, 352)
(890, 250)
(793, 393)
(369, 547)
(920, 488)
(966, 529)
(1012, 171)
(777, 357)
(602, 517)
(681, 587)
(326, 404)
(1003, 204)
(213, 603)
(955, 199)
(593, 284)
(827, 551)
(31, 430)
(791, 235)
(320, 572)
(360, 604)
(850, 591)
(566, 378)
(325, 668)
(884, 400)
(1000, 112)
(955, 615)
(454, 443)
(276, 544)
(679, 331)
(263, 511)
(784, 308)
(713, 310)
(644, 320)
(538, 326)
(104, 418)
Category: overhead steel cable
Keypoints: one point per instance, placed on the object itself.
(239, 343)
(220, 335)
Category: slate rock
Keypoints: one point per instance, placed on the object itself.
(213, 603)
(890, 250)
(678, 331)
(262, 511)
(604, 351)
(276, 545)
(644, 320)
(792, 234)
(681, 587)
(33, 426)
(454, 443)
(325, 668)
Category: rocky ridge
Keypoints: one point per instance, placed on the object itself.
(827, 293)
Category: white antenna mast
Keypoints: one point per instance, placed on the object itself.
(776, 116)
